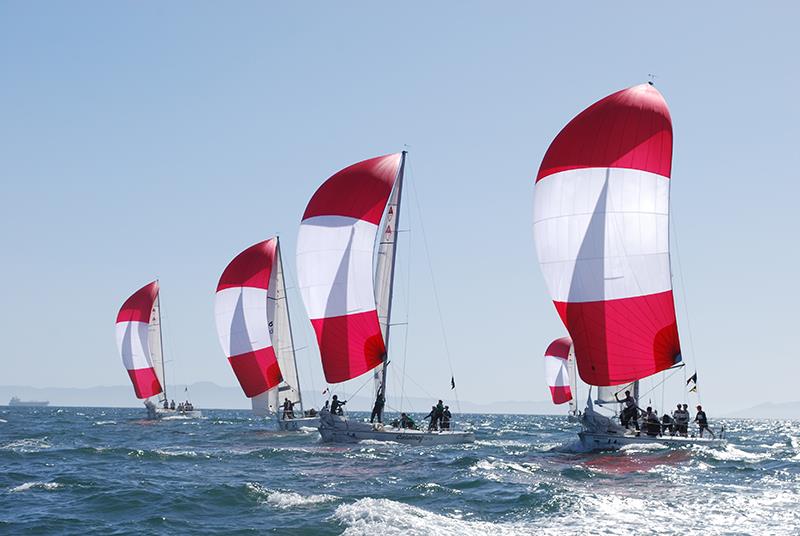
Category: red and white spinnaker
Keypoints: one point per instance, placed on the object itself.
(335, 250)
(556, 370)
(601, 225)
(138, 341)
(240, 308)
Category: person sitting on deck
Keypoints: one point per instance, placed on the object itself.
(630, 412)
(446, 416)
(180, 406)
(336, 406)
(288, 409)
(652, 426)
(432, 417)
(377, 409)
(667, 424)
(172, 405)
(702, 422)
(406, 421)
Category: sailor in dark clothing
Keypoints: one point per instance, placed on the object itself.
(702, 422)
(446, 416)
(288, 409)
(439, 412)
(432, 417)
(406, 421)
(336, 406)
(630, 412)
(172, 405)
(667, 424)
(652, 426)
(377, 409)
(166, 404)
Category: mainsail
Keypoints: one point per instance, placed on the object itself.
(136, 341)
(240, 307)
(601, 224)
(335, 252)
(556, 371)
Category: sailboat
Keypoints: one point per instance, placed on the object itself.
(255, 331)
(601, 226)
(347, 287)
(142, 350)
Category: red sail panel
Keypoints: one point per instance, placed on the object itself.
(240, 308)
(335, 250)
(601, 224)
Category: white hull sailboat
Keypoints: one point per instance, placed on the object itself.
(601, 225)
(346, 252)
(140, 344)
(255, 331)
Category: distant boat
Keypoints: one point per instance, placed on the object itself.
(142, 350)
(255, 331)
(601, 225)
(347, 295)
(15, 401)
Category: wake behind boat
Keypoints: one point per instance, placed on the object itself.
(346, 281)
(255, 331)
(601, 225)
(142, 350)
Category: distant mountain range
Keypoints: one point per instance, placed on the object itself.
(211, 395)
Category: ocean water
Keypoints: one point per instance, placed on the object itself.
(106, 471)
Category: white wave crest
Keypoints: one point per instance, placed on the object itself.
(288, 499)
(49, 486)
(386, 517)
(26, 445)
(101, 423)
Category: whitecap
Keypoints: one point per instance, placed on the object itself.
(26, 445)
(386, 517)
(49, 486)
(101, 423)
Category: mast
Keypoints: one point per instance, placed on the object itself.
(400, 174)
(161, 344)
(289, 325)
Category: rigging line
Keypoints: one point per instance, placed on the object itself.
(433, 283)
(408, 317)
(685, 303)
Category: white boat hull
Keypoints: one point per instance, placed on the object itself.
(161, 413)
(337, 429)
(297, 424)
(604, 441)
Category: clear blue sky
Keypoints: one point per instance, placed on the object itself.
(157, 139)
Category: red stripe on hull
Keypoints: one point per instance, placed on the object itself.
(250, 268)
(358, 191)
(350, 345)
(137, 308)
(561, 394)
(257, 371)
(628, 129)
(145, 382)
(619, 341)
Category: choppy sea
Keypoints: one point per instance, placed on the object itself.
(107, 471)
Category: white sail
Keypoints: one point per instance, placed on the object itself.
(281, 334)
(384, 267)
(605, 394)
(156, 346)
(572, 369)
(261, 403)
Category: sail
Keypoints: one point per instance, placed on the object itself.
(240, 307)
(605, 394)
(281, 332)
(601, 225)
(384, 267)
(133, 340)
(335, 250)
(555, 370)
(157, 346)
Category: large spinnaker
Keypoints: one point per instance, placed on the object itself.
(240, 308)
(335, 252)
(601, 224)
(133, 340)
(556, 371)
